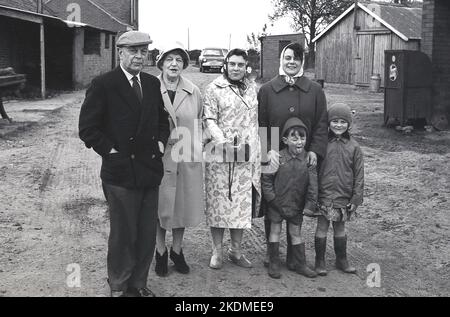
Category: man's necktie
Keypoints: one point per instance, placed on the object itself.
(137, 88)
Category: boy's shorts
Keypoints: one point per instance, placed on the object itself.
(275, 217)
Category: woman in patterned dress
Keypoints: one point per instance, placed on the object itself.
(233, 187)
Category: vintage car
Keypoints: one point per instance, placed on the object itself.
(212, 59)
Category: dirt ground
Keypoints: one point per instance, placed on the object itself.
(53, 214)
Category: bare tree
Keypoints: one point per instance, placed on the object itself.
(309, 16)
(253, 39)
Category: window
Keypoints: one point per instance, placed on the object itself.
(91, 42)
(107, 41)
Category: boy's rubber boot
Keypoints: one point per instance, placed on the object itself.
(320, 245)
(290, 261)
(340, 248)
(274, 262)
(299, 256)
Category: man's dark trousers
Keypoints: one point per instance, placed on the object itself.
(133, 217)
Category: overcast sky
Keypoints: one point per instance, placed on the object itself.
(210, 22)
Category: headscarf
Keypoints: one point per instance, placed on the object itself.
(290, 80)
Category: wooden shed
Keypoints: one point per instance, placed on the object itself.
(351, 49)
(271, 48)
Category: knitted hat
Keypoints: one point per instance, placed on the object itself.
(340, 111)
(294, 122)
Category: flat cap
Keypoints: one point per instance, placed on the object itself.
(134, 38)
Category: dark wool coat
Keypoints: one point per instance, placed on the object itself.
(112, 116)
(305, 100)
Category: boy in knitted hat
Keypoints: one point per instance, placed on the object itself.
(290, 192)
(341, 186)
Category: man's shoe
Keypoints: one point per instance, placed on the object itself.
(140, 292)
(118, 294)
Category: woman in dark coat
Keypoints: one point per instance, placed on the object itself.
(291, 94)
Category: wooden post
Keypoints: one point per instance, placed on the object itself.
(43, 92)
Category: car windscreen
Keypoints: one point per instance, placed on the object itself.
(212, 52)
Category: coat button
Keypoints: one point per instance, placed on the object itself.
(132, 156)
(131, 139)
(291, 88)
(153, 156)
(153, 137)
(292, 109)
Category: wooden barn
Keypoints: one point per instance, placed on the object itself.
(271, 48)
(351, 49)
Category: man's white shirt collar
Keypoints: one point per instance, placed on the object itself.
(130, 76)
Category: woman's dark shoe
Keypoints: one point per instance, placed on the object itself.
(179, 261)
(161, 266)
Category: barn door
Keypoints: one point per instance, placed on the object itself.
(382, 42)
(364, 59)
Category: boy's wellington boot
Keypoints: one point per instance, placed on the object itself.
(274, 260)
(320, 245)
(290, 261)
(300, 261)
(340, 248)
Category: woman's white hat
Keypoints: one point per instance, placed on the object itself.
(170, 48)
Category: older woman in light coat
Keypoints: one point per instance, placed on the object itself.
(181, 194)
(233, 187)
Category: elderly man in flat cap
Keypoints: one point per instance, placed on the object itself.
(124, 121)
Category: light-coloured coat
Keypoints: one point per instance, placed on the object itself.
(181, 194)
(233, 190)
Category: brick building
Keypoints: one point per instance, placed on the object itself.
(436, 44)
(271, 48)
(62, 44)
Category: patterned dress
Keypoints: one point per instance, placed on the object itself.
(233, 189)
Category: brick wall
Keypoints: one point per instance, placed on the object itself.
(120, 9)
(436, 44)
(95, 64)
(271, 52)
